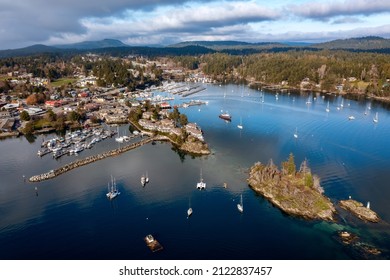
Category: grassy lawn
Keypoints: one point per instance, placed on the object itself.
(61, 82)
(361, 85)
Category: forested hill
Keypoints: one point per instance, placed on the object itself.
(231, 45)
(363, 44)
(115, 51)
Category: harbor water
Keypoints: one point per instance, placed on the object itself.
(70, 217)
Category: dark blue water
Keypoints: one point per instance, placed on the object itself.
(71, 218)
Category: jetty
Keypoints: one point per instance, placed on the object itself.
(75, 164)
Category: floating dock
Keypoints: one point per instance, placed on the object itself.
(152, 243)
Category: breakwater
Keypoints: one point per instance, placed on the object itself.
(75, 164)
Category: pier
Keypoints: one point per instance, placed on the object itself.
(56, 172)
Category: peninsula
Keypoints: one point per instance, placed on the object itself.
(295, 193)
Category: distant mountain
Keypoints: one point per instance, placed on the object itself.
(362, 43)
(34, 49)
(91, 45)
(229, 45)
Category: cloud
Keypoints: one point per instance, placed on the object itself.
(327, 10)
(190, 20)
(24, 22)
(323, 36)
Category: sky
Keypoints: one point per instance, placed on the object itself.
(164, 22)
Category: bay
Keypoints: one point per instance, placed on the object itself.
(69, 217)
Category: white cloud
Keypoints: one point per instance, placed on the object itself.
(326, 10)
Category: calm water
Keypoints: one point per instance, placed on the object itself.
(71, 218)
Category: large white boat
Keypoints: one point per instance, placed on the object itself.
(226, 116)
(112, 189)
(327, 108)
(201, 185)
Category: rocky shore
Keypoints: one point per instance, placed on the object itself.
(359, 210)
(295, 193)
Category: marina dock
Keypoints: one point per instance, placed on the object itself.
(56, 172)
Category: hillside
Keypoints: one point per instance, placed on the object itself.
(34, 49)
(363, 43)
(88, 45)
(230, 45)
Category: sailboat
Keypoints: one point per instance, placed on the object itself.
(240, 125)
(119, 139)
(112, 189)
(327, 108)
(189, 211)
(375, 119)
(225, 115)
(147, 177)
(143, 180)
(296, 133)
(240, 206)
(201, 185)
(342, 103)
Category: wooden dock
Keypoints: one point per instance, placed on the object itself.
(152, 243)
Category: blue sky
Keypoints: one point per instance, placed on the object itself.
(147, 22)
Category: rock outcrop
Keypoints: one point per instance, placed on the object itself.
(295, 193)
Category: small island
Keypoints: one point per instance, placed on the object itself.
(296, 193)
(359, 210)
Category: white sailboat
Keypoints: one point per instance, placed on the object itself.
(342, 103)
(240, 206)
(147, 177)
(296, 133)
(240, 125)
(376, 119)
(189, 211)
(112, 189)
(201, 185)
(327, 108)
(143, 180)
(119, 139)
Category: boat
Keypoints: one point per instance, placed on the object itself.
(375, 119)
(119, 139)
(226, 116)
(143, 180)
(327, 108)
(296, 133)
(342, 103)
(351, 118)
(201, 185)
(240, 125)
(240, 206)
(112, 189)
(146, 177)
(152, 243)
(308, 100)
(189, 212)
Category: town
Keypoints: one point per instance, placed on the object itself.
(34, 105)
